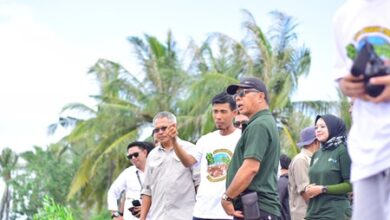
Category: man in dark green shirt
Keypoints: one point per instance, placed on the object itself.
(254, 165)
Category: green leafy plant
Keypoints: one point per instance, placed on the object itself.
(53, 211)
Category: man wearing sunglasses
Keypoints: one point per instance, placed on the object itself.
(130, 181)
(253, 169)
(169, 188)
(240, 121)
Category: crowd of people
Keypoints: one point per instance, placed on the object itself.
(238, 172)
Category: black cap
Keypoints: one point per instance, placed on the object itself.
(248, 83)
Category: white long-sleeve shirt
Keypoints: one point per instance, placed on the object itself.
(355, 23)
(127, 181)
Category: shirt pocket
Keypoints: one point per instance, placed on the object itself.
(178, 168)
(156, 162)
(155, 167)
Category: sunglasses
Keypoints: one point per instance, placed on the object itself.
(241, 93)
(238, 124)
(130, 156)
(156, 130)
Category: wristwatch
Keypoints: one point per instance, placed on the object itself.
(116, 214)
(324, 189)
(226, 198)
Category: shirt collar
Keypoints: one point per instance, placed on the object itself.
(258, 114)
(307, 152)
(160, 148)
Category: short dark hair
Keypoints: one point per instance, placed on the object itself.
(223, 98)
(144, 145)
(284, 161)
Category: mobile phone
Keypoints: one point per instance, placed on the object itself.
(136, 202)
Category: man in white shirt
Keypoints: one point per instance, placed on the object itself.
(130, 181)
(359, 26)
(216, 149)
(169, 189)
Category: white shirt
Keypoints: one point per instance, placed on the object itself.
(216, 153)
(128, 181)
(170, 185)
(369, 138)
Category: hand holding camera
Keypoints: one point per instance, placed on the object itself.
(369, 65)
(136, 209)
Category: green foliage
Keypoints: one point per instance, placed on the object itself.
(182, 83)
(45, 172)
(103, 215)
(8, 163)
(53, 211)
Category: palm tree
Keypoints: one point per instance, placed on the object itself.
(8, 161)
(275, 59)
(126, 104)
(279, 62)
(218, 62)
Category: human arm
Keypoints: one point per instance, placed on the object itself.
(352, 86)
(186, 159)
(244, 176)
(136, 211)
(147, 186)
(340, 188)
(335, 189)
(146, 203)
(121, 206)
(299, 170)
(344, 54)
(114, 193)
(347, 52)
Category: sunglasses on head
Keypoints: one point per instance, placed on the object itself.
(156, 130)
(241, 93)
(130, 156)
(238, 124)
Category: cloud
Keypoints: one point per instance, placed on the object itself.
(40, 73)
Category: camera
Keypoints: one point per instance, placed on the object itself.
(369, 64)
(136, 203)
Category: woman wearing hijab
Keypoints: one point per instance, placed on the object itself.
(329, 172)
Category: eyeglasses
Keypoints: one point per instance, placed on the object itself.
(238, 124)
(156, 130)
(241, 93)
(130, 156)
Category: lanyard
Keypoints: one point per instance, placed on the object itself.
(139, 179)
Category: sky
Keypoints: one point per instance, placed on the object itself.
(47, 47)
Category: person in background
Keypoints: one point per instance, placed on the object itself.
(253, 169)
(356, 23)
(216, 149)
(283, 187)
(168, 191)
(240, 121)
(130, 181)
(329, 172)
(299, 173)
